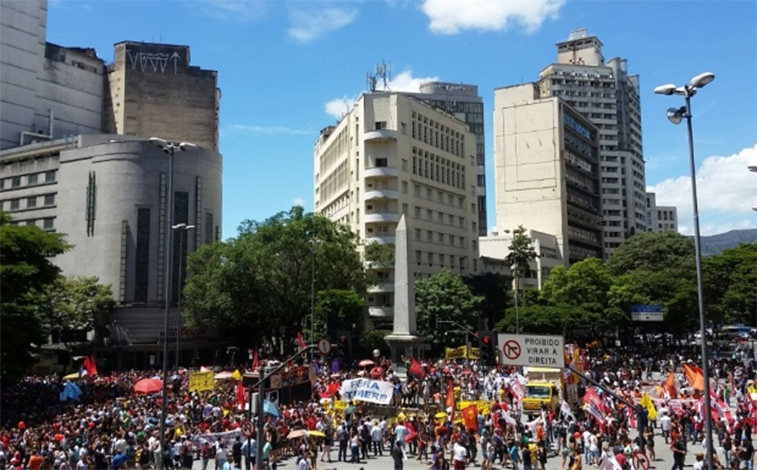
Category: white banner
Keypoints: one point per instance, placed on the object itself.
(211, 438)
(373, 391)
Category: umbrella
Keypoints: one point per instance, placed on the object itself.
(297, 433)
(223, 376)
(376, 372)
(440, 415)
(176, 377)
(148, 386)
(316, 434)
(366, 363)
(270, 408)
(73, 376)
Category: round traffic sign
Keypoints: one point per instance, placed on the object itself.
(247, 429)
(324, 346)
(640, 461)
(511, 349)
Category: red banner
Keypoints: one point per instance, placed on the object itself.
(470, 417)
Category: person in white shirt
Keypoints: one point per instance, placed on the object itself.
(459, 456)
(665, 426)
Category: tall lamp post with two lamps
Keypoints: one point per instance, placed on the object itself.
(181, 230)
(170, 148)
(676, 115)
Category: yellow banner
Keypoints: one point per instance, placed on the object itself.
(483, 406)
(201, 381)
(459, 353)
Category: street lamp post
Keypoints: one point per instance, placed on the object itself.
(314, 251)
(181, 230)
(170, 148)
(676, 115)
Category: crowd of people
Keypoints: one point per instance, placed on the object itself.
(111, 426)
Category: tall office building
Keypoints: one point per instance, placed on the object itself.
(463, 102)
(394, 155)
(153, 90)
(660, 218)
(608, 96)
(547, 171)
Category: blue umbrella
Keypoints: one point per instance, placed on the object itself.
(270, 408)
(175, 377)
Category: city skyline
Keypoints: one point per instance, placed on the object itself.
(307, 60)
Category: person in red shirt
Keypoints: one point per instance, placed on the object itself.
(35, 461)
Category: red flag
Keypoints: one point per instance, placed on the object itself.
(416, 369)
(670, 386)
(240, 395)
(301, 341)
(450, 401)
(470, 417)
(255, 361)
(90, 366)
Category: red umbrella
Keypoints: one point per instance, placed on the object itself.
(366, 363)
(376, 372)
(148, 386)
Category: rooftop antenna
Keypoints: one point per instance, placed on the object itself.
(383, 72)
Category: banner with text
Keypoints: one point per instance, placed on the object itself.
(201, 381)
(459, 353)
(373, 391)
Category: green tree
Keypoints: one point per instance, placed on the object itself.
(730, 284)
(660, 268)
(341, 309)
(78, 303)
(444, 297)
(374, 339)
(257, 286)
(521, 254)
(495, 290)
(25, 272)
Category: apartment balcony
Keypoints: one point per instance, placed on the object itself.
(380, 239)
(378, 217)
(380, 135)
(381, 172)
(380, 311)
(386, 287)
(381, 194)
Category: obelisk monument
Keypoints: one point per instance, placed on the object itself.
(404, 341)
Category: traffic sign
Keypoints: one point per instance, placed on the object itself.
(640, 461)
(247, 429)
(324, 346)
(646, 313)
(532, 350)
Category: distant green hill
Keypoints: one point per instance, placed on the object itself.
(715, 244)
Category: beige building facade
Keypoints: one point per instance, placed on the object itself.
(394, 155)
(660, 218)
(608, 96)
(495, 247)
(547, 171)
(152, 90)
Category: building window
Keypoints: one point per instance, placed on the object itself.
(31, 202)
(208, 227)
(382, 162)
(15, 204)
(142, 263)
(50, 176)
(31, 180)
(49, 199)
(15, 182)
(48, 224)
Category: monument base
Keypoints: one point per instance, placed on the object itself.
(403, 346)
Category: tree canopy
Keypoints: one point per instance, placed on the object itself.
(25, 272)
(444, 297)
(256, 287)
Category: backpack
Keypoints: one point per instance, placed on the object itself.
(142, 457)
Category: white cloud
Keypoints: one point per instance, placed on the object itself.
(308, 25)
(338, 107)
(238, 10)
(265, 130)
(298, 201)
(403, 82)
(452, 16)
(726, 192)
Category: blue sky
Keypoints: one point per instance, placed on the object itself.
(284, 65)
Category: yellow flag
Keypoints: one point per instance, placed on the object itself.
(646, 402)
(236, 375)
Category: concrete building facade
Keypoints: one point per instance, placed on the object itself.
(660, 218)
(605, 93)
(463, 102)
(394, 155)
(153, 90)
(46, 91)
(546, 157)
(495, 247)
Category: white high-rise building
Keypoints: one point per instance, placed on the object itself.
(394, 155)
(660, 218)
(608, 96)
